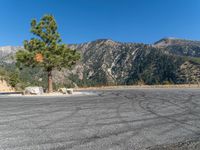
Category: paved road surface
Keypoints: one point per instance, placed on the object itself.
(110, 120)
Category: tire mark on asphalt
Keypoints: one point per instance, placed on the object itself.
(125, 140)
(169, 117)
(85, 140)
(77, 109)
(134, 101)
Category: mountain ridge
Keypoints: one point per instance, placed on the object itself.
(108, 62)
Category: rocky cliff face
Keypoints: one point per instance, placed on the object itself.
(106, 62)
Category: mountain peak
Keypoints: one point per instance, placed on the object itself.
(104, 40)
(165, 41)
(108, 42)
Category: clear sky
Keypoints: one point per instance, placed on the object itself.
(85, 20)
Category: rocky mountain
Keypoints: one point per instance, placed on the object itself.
(106, 62)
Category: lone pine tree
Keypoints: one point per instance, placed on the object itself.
(46, 50)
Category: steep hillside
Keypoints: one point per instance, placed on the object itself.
(106, 61)
(109, 62)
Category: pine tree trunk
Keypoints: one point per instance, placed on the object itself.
(50, 82)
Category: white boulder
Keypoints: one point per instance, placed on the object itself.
(33, 91)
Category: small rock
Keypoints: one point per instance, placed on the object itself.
(70, 91)
(62, 90)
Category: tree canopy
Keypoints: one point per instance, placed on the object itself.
(46, 49)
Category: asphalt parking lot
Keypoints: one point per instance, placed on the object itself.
(110, 120)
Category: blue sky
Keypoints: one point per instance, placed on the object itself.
(85, 20)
